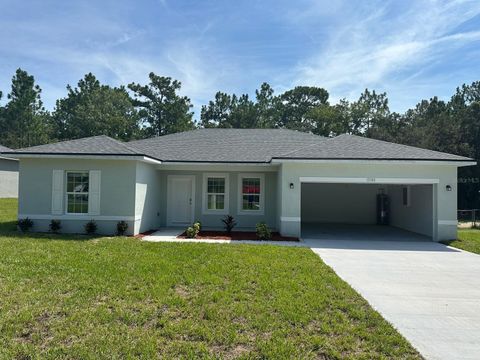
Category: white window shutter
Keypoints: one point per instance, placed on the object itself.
(57, 192)
(94, 192)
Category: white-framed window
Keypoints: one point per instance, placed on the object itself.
(251, 194)
(406, 196)
(215, 193)
(77, 192)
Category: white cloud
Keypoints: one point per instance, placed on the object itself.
(380, 50)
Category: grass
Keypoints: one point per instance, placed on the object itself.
(111, 298)
(468, 239)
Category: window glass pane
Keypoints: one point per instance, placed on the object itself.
(69, 186)
(77, 182)
(251, 202)
(77, 192)
(251, 186)
(216, 185)
(84, 208)
(70, 208)
(220, 202)
(211, 202)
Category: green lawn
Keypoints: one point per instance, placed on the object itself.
(76, 297)
(468, 239)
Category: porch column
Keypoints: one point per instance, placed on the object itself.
(290, 191)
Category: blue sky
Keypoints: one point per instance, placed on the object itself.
(410, 49)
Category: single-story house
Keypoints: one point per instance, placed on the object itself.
(285, 178)
(8, 175)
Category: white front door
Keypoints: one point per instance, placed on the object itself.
(180, 200)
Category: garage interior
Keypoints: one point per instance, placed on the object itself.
(395, 212)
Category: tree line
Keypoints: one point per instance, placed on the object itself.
(137, 111)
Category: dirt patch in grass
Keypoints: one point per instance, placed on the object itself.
(236, 236)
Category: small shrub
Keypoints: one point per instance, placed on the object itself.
(91, 227)
(122, 228)
(229, 223)
(198, 224)
(263, 233)
(25, 224)
(191, 232)
(55, 226)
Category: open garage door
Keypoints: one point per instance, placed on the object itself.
(350, 211)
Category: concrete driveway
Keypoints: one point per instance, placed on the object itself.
(428, 291)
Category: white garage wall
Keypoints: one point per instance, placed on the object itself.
(418, 216)
(446, 201)
(339, 203)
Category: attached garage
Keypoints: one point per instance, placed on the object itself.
(349, 208)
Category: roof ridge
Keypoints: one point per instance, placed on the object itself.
(298, 149)
(124, 144)
(161, 136)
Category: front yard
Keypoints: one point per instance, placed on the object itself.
(468, 239)
(78, 297)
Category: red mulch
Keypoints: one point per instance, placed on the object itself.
(146, 233)
(236, 235)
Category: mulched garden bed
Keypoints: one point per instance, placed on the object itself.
(146, 233)
(236, 235)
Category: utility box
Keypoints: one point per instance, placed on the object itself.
(383, 209)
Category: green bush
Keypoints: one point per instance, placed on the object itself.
(122, 228)
(194, 230)
(229, 223)
(25, 224)
(191, 232)
(198, 224)
(91, 227)
(263, 233)
(55, 226)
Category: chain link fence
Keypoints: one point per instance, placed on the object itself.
(469, 218)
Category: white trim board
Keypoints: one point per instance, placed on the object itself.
(374, 162)
(89, 157)
(448, 222)
(80, 217)
(365, 180)
(290, 218)
(221, 167)
(7, 158)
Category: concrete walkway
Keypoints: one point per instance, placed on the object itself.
(428, 291)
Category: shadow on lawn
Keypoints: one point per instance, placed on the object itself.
(8, 226)
(9, 229)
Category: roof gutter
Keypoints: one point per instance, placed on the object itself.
(86, 156)
(366, 161)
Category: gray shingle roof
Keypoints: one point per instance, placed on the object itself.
(243, 146)
(225, 145)
(95, 145)
(4, 148)
(357, 147)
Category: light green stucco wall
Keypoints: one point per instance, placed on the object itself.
(148, 204)
(117, 192)
(244, 222)
(137, 192)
